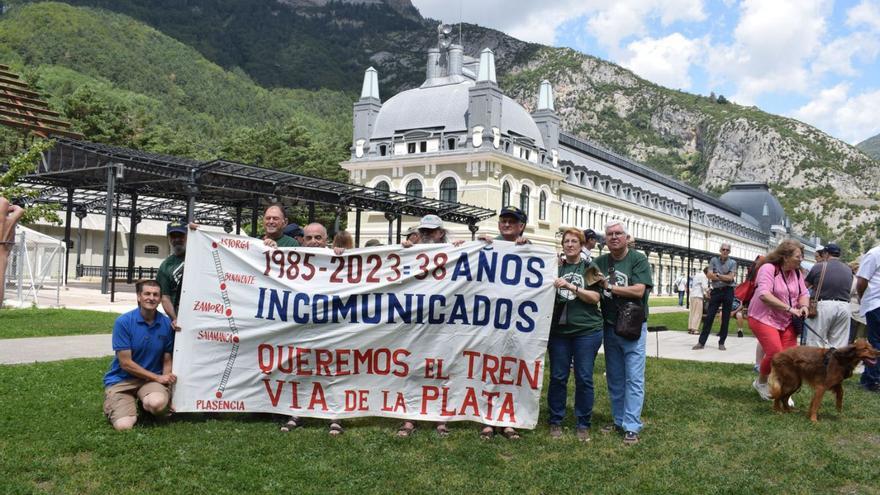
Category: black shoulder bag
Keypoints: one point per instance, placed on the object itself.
(630, 313)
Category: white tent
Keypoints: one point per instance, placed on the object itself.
(34, 273)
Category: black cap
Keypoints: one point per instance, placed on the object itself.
(176, 227)
(590, 234)
(293, 230)
(832, 249)
(515, 212)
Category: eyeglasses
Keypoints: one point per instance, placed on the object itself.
(725, 249)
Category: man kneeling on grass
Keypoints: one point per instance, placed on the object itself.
(144, 343)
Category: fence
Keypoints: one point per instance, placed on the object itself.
(120, 273)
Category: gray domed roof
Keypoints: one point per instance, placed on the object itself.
(755, 200)
(445, 107)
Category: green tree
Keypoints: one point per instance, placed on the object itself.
(18, 166)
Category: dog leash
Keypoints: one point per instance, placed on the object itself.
(827, 357)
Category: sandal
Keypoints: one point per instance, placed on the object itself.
(487, 433)
(442, 430)
(510, 433)
(293, 422)
(693, 332)
(406, 429)
(336, 429)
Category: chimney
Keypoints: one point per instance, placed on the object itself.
(456, 56)
(366, 109)
(434, 70)
(487, 66)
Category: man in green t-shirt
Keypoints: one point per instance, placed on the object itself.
(170, 275)
(274, 221)
(628, 276)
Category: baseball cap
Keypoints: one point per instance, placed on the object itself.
(590, 234)
(410, 231)
(832, 249)
(820, 249)
(293, 230)
(515, 212)
(431, 222)
(176, 227)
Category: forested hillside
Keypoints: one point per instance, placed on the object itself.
(871, 146)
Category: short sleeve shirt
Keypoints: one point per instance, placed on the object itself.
(287, 241)
(581, 318)
(716, 266)
(837, 282)
(170, 278)
(869, 269)
(631, 270)
(147, 343)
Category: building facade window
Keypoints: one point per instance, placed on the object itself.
(542, 206)
(151, 249)
(383, 186)
(449, 190)
(505, 194)
(414, 188)
(524, 199)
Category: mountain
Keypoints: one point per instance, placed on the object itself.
(871, 146)
(830, 188)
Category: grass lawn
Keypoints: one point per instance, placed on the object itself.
(16, 323)
(705, 432)
(662, 301)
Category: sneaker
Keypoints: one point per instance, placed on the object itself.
(583, 434)
(555, 431)
(631, 438)
(739, 333)
(611, 428)
(762, 388)
(756, 368)
(697, 347)
(721, 347)
(790, 402)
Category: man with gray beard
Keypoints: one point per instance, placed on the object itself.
(170, 276)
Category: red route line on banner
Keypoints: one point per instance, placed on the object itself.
(229, 319)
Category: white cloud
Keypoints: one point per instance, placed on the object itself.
(866, 13)
(772, 43)
(619, 20)
(851, 118)
(666, 61)
(837, 56)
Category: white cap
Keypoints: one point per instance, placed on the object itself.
(431, 222)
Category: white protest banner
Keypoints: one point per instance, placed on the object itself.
(432, 332)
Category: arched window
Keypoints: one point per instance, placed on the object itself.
(414, 188)
(542, 206)
(151, 249)
(449, 190)
(382, 186)
(524, 199)
(505, 194)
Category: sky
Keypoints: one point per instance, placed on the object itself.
(817, 61)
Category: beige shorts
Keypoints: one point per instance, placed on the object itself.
(120, 399)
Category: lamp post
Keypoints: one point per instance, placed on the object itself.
(690, 210)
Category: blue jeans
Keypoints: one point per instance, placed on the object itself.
(681, 298)
(562, 349)
(871, 375)
(625, 373)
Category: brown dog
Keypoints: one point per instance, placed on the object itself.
(823, 369)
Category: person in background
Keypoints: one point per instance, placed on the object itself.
(141, 370)
(857, 321)
(681, 288)
(511, 226)
(575, 335)
(295, 231)
(412, 235)
(722, 273)
(343, 240)
(373, 243)
(780, 295)
(170, 274)
(591, 238)
(832, 321)
(627, 275)
(10, 214)
(868, 290)
(699, 290)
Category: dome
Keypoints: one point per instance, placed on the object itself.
(445, 107)
(755, 200)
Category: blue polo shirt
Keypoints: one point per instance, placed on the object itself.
(147, 343)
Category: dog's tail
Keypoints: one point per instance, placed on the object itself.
(773, 384)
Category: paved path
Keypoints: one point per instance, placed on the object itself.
(671, 345)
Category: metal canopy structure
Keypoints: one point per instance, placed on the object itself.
(95, 178)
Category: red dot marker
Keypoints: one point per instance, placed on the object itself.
(222, 286)
(214, 245)
(235, 339)
(228, 312)
(218, 394)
